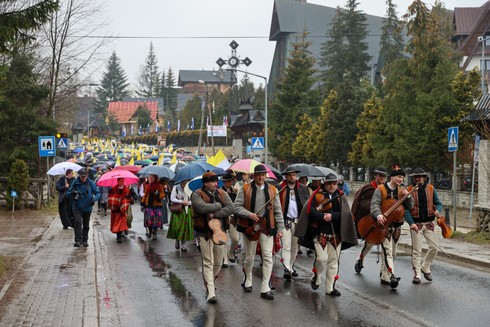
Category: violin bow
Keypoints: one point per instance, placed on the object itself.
(265, 204)
(437, 246)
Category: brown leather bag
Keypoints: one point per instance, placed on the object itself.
(176, 207)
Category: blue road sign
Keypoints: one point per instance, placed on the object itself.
(62, 143)
(46, 146)
(452, 139)
(257, 143)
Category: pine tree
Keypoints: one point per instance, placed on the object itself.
(113, 86)
(170, 95)
(391, 42)
(346, 50)
(293, 98)
(149, 80)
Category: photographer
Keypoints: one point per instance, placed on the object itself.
(84, 194)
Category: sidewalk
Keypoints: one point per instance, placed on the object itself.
(58, 283)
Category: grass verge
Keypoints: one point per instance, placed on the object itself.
(481, 238)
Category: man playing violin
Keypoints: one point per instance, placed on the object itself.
(293, 196)
(209, 203)
(361, 207)
(421, 220)
(326, 226)
(258, 202)
(386, 191)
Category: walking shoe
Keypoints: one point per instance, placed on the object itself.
(177, 245)
(287, 274)
(299, 251)
(247, 289)
(232, 260)
(77, 244)
(224, 265)
(85, 244)
(183, 249)
(214, 299)
(314, 286)
(294, 273)
(334, 293)
(384, 282)
(416, 280)
(267, 295)
(427, 276)
(393, 281)
(358, 266)
(308, 252)
(118, 238)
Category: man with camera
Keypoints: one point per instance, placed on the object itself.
(84, 193)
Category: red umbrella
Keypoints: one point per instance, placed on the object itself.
(110, 178)
(131, 168)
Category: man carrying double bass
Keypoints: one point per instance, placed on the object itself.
(386, 191)
(361, 207)
(258, 204)
(326, 225)
(210, 203)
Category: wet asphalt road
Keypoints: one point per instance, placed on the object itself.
(149, 283)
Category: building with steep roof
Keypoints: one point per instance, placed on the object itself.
(189, 80)
(124, 113)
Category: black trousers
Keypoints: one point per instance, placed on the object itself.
(81, 225)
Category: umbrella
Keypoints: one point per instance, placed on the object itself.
(248, 165)
(176, 166)
(60, 168)
(217, 170)
(306, 170)
(78, 150)
(196, 183)
(188, 158)
(277, 174)
(131, 168)
(190, 171)
(160, 171)
(144, 162)
(110, 178)
(327, 171)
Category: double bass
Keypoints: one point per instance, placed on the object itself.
(392, 210)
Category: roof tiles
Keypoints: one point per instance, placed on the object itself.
(124, 111)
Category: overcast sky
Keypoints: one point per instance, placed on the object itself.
(209, 25)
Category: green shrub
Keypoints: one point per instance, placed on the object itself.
(18, 181)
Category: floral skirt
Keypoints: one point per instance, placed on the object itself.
(153, 217)
(181, 226)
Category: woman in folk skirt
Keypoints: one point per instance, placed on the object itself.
(152, 204)
(181, 227)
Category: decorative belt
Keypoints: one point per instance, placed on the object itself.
(288, 222)
(323, 239)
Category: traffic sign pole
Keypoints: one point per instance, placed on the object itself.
(452, 140)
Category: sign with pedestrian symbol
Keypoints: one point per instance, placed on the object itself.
(62, 143)
(257, 143)
(452, 139)
(46, 146)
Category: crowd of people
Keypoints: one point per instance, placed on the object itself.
(265, 217)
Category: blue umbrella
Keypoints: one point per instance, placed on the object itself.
(160, 171)
(217, 170)
(188, 172)
(196, 183)
(78, 150)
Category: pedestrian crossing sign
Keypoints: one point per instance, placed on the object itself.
(257, 143)
(62, 143)
(452, 138)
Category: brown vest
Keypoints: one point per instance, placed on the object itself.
(247, 199)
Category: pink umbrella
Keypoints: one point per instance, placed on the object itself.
(110, 178)
(248, 165)
(132, 168)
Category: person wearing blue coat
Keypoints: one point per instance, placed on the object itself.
(84, 193)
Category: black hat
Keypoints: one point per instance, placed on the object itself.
(209, 176)
(419, 172)
(259, 169)
(397, 171)
(290, 169)
(331, 177)
(381, 171)
(228, 177)
(83, 172)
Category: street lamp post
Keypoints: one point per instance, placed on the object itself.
(202, 121)
(483, 39)
(265, 109)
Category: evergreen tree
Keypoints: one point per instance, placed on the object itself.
(18, 22)
(170, 94)
(143, 117)
(391, 43)
(113, 86)
(294, 98)
(149, 80)
(346, 49)
(20, 100)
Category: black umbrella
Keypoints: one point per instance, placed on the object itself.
(306, 170)
(160, 171)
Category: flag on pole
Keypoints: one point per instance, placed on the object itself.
(124, 131)
(160, 160)
(139, 130)
(131, 162)
(168, 125)
(192, 123)
(156, 127)
(118, 162)
(178, 125)
(207, 121)
(132, 129)
(170, 148)
(174, 158)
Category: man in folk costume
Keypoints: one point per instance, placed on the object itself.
(293, 196)
(421, 220)
(326, 225)
(390, 190)
(250, 205)
(209, 203)
(361, 207)
(229, 256)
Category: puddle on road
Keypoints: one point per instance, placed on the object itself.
(184, 298)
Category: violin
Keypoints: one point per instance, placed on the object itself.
(446, 230)
(253, 232)
(392, 210)
(219, 236)
(324, 202)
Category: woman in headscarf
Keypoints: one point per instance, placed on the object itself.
(181, 227)
(152, 204)
(120, 201)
